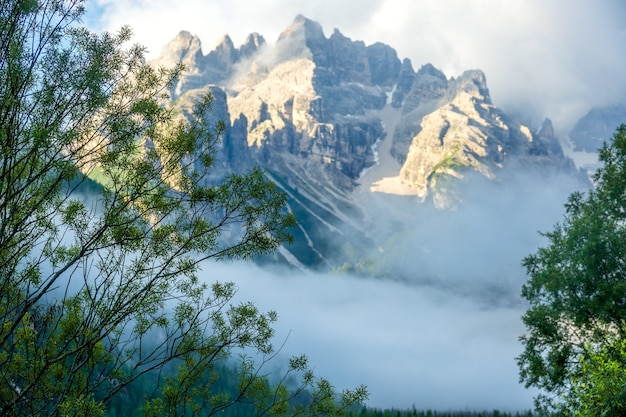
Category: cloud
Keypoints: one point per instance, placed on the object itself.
(554, 59)
(445, 336)
(477, 248)
(410, 344)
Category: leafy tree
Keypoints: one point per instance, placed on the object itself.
(98, 291)
(599, 388)
(576, 290)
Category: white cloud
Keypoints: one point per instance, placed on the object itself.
(411, 345)
(447, 336)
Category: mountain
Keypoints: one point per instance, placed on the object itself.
(466, 132)
(596, 127)
(343, 127)
(201, 70)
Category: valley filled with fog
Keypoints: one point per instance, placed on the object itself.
(437, 325)
(410, 344)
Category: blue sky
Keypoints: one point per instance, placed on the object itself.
(551, 59)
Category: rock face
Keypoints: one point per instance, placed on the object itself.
(201, 70)
(310, 110)
(467, 133)
(307, 103)
(596, 127)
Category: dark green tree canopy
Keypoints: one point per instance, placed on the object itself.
(577, 286)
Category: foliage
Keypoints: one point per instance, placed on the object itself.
(599, 389)
(576, 291)
(367, 412)
(101, 291)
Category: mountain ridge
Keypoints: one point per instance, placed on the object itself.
(311, 111)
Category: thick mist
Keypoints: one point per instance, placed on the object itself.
(439, 329)
(476, 248)
(410, 344)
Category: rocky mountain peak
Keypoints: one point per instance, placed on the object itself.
(472, 82)
(183, 37)
(225, 44)
(338, 35)
(312, 28)
(406, 77)
(185, 48)
(315, 113)
(302, 30)
(304, 38)
(417, 94)
(597, 126)
(428, 70)
(429, 83)
(251, 45)
(467, 134)
(546, 142)
(384, 64)
(546, 129)
(224, 55)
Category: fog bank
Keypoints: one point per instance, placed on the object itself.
(410, 344)
(440, 330)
